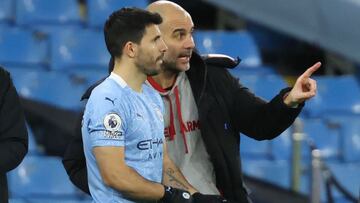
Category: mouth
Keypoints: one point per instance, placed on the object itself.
(185, 57)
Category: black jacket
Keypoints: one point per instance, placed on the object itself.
(13, 133)
(225, 108)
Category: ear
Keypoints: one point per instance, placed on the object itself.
(130, 49)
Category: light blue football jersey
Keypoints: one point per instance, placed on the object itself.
(116, 115)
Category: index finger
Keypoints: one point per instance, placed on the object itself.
(311, 70)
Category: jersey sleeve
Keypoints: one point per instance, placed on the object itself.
(107, 121)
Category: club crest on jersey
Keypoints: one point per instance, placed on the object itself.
(112, 124)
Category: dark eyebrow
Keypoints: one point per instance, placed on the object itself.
(179, 30)
(183, 29)
(156, 37)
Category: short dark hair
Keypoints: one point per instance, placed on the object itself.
(127, 24)
(111, 65)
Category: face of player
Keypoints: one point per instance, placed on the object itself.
(151, 51)
(177, 31)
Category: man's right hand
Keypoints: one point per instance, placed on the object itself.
(175, 195)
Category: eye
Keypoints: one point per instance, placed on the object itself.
(182, 35)
(179, 34)
(156, 38)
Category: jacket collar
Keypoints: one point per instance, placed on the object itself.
(197, 75)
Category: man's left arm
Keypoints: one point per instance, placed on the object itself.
(172, 176)
(261, 120)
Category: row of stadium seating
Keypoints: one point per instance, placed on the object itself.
(65, 12)
(64, 48)
(279, 173)
(335, 94)
(339, 144)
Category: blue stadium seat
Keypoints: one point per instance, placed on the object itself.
(335, 94)
(52, 87)
(40, 177)
(37, 12)
(259, 71)
(342, 173)
(87, 77)
(20, 47)
(26, 81)
(275, 172)
(16, 200)
(99, 10)
(33, 148)
(319, 132)
(6, 11)
(266, 86)
(281, 146)
(270, 41)
(348, 176)
(62, 91)
(4, 27)
(234, 44)
(349, 131)
(324, 137)
(79, 49)
(342, 200)
(251, 148)
(49, 30)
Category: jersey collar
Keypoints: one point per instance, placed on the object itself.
(118, 79)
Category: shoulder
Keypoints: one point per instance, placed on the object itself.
(218, 73)
(217, 67)
(220, 61)
(106, 96)
(4, 75)
(210, 65)
(4, 80)
(214, 60)
(107, 88)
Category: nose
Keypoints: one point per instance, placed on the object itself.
(189, 42)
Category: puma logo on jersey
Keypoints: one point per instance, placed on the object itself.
(111, 100)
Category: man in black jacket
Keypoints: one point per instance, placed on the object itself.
(206, 109)
(13, 133)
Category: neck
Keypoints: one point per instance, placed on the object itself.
(165, 78)
(131, 74)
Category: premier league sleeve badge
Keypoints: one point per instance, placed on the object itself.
(112, 124)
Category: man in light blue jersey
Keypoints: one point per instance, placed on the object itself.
(123, 129)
